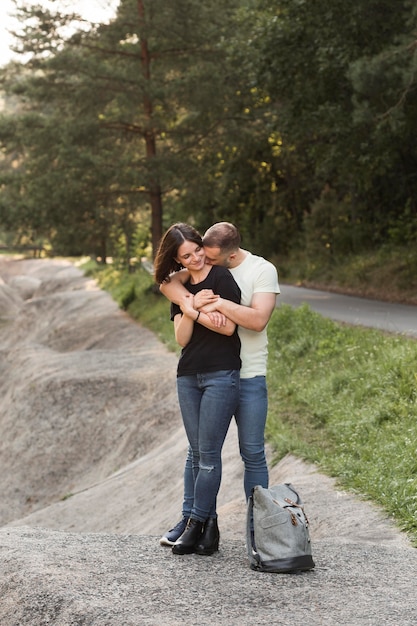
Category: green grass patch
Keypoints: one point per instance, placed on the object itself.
(342, 397)
(346, 399)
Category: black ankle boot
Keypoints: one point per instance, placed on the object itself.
(191, 535)
(209, 541)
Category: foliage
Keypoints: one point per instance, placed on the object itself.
(110, 118)
(388, 273)
(323, 66)
(295, 120)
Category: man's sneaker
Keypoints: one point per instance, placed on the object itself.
(175, 533)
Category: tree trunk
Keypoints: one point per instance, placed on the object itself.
(155, 195)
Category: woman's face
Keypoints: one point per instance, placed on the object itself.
(191, 256)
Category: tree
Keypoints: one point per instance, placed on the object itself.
(307, 52)
(129, 102)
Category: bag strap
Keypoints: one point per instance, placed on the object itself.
(287, 503)
(296, 505)
(253, 556)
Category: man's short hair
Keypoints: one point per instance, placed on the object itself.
(223, 235)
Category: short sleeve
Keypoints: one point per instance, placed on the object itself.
(175, 310)
(267, 279)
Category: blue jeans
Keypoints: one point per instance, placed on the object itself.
(250, 418)
(207, 401)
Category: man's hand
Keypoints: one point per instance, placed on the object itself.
(187, 305)
(216, 318)
(205, 298)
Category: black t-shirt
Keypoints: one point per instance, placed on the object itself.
(208, 351)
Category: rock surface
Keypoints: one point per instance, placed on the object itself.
(91, 453)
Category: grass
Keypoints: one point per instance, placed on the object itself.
(346, 399)
(342, 397)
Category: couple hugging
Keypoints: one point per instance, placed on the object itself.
(222, 298)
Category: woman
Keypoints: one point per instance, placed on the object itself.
(207, 377)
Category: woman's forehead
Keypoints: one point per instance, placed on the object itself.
(187, 247)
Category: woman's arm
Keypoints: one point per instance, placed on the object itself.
(184, 327)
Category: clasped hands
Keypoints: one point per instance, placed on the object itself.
(205, 301)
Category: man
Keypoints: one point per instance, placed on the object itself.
(258, 281)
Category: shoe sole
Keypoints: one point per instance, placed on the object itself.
(180, 550)
(166, 542)
(203, 552)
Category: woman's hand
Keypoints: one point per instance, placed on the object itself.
(186, 304)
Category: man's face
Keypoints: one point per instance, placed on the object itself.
(214, 256)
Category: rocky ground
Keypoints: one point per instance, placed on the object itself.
(91, 457)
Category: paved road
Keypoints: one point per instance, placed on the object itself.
(394, 318)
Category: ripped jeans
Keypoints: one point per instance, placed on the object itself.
(208, 401)
(250, 418)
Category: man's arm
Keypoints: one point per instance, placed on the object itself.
(254, 317)
(175, 290)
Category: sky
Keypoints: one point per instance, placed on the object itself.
(90, 9)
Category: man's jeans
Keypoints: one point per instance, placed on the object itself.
(207, 402)
(250, 419)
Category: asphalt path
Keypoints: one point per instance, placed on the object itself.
(390, 317)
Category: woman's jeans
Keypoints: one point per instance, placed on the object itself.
(207, 401)
(250, 418)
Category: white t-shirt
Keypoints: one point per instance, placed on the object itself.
(254, 275)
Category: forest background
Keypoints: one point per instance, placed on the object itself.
(294, 119)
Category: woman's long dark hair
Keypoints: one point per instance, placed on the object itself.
(165, 263)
